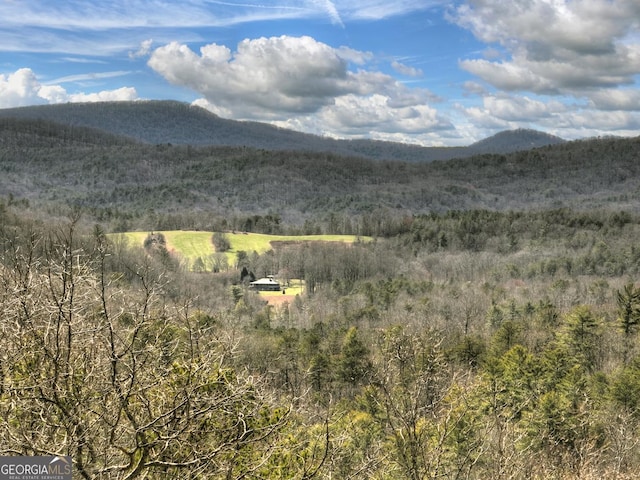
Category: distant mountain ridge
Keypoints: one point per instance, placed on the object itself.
(164, 121)
(515, 140)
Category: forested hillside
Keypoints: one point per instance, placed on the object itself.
(51, 165)
(489, 330)
(513, 141)
(157, 122)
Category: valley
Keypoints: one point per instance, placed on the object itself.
(473, 317)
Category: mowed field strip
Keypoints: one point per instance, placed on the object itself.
(191, 245)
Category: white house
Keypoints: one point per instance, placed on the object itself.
(266, 284)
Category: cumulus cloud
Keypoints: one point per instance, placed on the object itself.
(555, 46)
(616, 99)
(565, 66)
(375, 112)
(22, 88)
(263, 78)
(117, 95)
(372, 116)
(505, 108)
(474, 88)
(19, 89)
(601, 123)
(504, 111)
(508, 76)
(297, 80)
(520, 108)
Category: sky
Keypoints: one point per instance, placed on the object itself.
(429, 72)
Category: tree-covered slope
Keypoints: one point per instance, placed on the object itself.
(103, 175)
(513, 141)
(162, 122)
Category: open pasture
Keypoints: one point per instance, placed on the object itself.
(191, 245)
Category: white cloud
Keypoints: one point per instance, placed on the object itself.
(502, 111)
(143, 51)
(406, 69)
(587, 27)
(111, 14)
(330, 8)
(82, 60)
(19, 89)
(364, 116)
(474, 88)
(22, 88)
(354, 56)
(121, 26)
(297, 81)
(264, 78)
(42, 25)
(372, 117)
(508, 76)
(616, 99)
(482, 120)
(193, 13)
(555, 46)
(569, 67)
(524, 109)
(380, 9)
(357, 113)
(580, 123)
(83, 77)
(117, 95)
(568, 120)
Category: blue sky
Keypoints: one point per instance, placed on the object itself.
(431, 72)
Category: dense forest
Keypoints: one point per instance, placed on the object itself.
(129, 185)
(490, 329)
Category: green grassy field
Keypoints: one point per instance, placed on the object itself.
(259, 242)
(191, 245)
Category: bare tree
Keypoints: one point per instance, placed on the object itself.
(120, 379)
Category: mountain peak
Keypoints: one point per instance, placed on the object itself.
(514, 140)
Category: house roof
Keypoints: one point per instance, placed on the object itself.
(265, 281)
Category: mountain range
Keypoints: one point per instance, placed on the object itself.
(158, 122)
